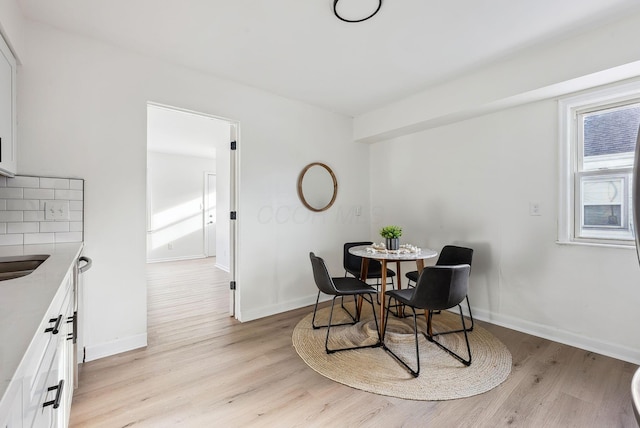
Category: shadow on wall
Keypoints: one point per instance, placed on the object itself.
(483, 273)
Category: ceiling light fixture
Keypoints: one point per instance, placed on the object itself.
(335, 12)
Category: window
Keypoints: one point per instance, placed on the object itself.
(598, 139)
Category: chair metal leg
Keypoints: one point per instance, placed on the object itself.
(458, 331)
(329, 325)
(416, 372)
(441, 346)
(355, 318)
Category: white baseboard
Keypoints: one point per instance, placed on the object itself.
(116, 347)
(609, 349)
(224, 268)
(290, 305)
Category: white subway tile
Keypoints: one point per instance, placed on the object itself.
(54, 226)
(10, 193)
(33, 216)
(22, 228)
(68, 237)
(23, 204)
(13, 239)
(72, 195)
(54, 183)
(23, 181)
(11, 216)
(39, 238)
(39, 194)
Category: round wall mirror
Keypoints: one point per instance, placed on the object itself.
(317, 187)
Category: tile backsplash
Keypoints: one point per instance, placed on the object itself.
(41, 210)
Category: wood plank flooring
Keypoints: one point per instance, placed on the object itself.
(204, 369)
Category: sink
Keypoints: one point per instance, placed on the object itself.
(17, 266)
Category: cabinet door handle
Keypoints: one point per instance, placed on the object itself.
(56, 328)
(56, 401)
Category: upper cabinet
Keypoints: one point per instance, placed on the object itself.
(7, 110)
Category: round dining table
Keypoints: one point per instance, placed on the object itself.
(368, 252)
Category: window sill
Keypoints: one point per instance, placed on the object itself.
(597, 244)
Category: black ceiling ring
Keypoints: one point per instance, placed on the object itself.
(335, 12)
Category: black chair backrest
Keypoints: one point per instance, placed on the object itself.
(452, 255)
(349, 261)
(353, 263)
(321, 275)
(441, 287)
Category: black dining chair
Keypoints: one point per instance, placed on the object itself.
(449, 256)
(353, 264)
(340, 287)
(438, 288)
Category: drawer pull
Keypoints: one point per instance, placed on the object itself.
(56, 328)
(56, 401)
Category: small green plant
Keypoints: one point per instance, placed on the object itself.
(391, 232)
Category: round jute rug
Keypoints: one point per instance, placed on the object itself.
(374, 370)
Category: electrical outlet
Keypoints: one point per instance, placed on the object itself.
(56, 210)
(534, 208)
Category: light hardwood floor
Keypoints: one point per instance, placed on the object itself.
(204, 369)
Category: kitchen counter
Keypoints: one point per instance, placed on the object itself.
(24, 301)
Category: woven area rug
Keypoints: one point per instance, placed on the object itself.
(374, 370)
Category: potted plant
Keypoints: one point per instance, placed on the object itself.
(391, 235)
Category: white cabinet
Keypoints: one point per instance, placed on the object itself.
(42, 388)
(8, 139)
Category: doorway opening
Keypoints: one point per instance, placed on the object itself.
(191, 182)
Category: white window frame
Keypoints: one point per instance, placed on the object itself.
(569, 108)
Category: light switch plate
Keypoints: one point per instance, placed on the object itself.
(56, 210)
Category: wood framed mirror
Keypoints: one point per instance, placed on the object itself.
(317, 187)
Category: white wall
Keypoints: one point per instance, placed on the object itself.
(12, 27)
(466, 174)
(82, 109)
(176, 189)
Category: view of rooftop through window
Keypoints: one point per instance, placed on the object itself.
(611, 132)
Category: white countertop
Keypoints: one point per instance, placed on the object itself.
(24, 301)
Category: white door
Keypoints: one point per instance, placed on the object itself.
(210, 215)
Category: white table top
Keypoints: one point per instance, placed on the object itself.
(368, 252)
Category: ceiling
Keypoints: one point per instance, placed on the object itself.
(300, 50)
